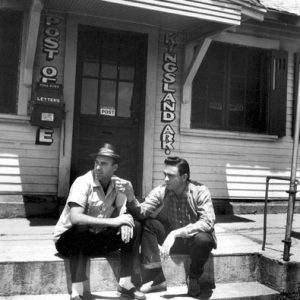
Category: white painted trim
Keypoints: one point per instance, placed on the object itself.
(228, 134)
(29, 42)
(72, 23)
(151, 85)
(66, 136)
(247, 40)
(191, 67)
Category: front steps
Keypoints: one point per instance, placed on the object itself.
(52, 276)
(29, 265)
(223, 291)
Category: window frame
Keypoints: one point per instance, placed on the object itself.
(192, 63)
(231, 79)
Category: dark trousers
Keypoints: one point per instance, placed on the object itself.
(78, 243)
(197, 247)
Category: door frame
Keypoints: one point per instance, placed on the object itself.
(113, 123)
(72, 23)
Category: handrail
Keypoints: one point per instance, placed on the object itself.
(268, 178)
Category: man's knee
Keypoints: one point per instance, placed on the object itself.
(80, 229)
(152, 224)
(137, 229)
(203, 240)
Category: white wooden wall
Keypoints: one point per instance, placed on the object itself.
(26, 168)
(232, 168)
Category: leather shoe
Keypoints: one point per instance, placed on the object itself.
(77, 298)
(194, 289)
(131, 293)
(150, 287)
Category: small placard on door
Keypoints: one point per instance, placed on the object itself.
(107, 111)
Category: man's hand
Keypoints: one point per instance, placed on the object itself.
(124, 219)
(126, 233)
(124, 186)
(168, 243)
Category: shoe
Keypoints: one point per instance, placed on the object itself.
(150, 287)
(132, 293)
(194, 289)
(79, 297)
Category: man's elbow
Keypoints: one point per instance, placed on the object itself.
(74, 218)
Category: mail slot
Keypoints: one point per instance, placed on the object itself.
(48, 106)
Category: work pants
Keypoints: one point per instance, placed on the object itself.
(78, 243)
(197, 247)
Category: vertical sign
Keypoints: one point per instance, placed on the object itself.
(168, 103)
(49, 74)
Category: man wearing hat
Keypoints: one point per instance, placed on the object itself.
(94, 222)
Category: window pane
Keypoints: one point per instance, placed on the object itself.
(89, 96)
(90, 69)
(208, 90)
(109, 71)
(91, 45)
(125, 99)
(236, 115)
(215, 113)
(10, 42)
(108, 94)
(126, 73)
(110, 48)
(253, 117)
(8, 79)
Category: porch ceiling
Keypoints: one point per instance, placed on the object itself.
(180, 15)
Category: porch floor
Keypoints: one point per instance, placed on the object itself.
(31, 239)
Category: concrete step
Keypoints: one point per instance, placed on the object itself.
(242, 207)
(30, 265)
(223, 291)
(52, 276)
(23, 206)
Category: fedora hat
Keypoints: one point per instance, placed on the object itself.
(107, 150)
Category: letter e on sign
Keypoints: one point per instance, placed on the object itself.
(44, 136)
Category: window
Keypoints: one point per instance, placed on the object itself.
(237, 88)
(108, 74)
(10, 44)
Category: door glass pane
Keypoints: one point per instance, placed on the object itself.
(89, 96)
(110, 48)
(126, 73)
(90, 69)
(109, 71)
(124, 99)
(108, 95)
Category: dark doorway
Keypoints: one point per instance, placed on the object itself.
(109, 100)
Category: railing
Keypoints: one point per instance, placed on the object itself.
(268, 178)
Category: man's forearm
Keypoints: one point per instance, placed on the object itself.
(82, 219)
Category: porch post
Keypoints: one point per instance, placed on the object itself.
(293, 185)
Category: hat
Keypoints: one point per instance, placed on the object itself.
(107, 150)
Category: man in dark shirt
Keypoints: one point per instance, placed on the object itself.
(178, 215)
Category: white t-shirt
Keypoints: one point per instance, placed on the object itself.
(88, 193)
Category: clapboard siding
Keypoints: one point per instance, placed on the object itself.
(233, 168)
(27, 168)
